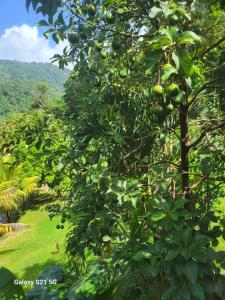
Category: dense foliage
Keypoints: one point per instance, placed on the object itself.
(145, 105)
(19, 84)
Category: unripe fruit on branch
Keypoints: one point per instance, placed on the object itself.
(73, 38)
(103, 54)
(172, 90)
(170, 107)
(91, 10)
(157, 90)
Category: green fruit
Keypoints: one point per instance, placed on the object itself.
(64, 214)
(58, 226)
(109, 18)
(170, 107)
(116, 44)
(124, 72)
(62, 226)
(167, 66)
(91, 10)
(172, 90)
(73, 38)
(157, 90)
(156, 108)
(133, 59)
(98, 46)
(103, 54)
(63, 221)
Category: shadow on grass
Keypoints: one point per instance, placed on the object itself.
(34, 271)
(2, 252)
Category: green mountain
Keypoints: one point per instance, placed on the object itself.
(20, 84)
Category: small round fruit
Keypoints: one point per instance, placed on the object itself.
(167, 66)
(134, 59)
(172, 90)
(156, 108)
(73, 38)
(109, 18)
(58, 226)
(63, 221)
(157, 90)
(98, 47)
(116, 45)
(91, 10)
(103, 54)
(62, 226)
(64, 214)
(170, 107)
(124, 72)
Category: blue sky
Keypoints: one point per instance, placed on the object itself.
(20, 38)
(13, 12)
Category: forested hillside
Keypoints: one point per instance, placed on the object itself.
(20, 84)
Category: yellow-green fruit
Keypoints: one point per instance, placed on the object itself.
(172, 90)
(103, 54)
(91, 10)
(167, 66)
(124, 72)
(98, 46)
(157, 90)
(156, 108)
(73, 37)
(170, 107)
(109, 18)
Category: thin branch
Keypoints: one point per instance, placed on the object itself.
(204, 133)
(212, 47)
(202, 88)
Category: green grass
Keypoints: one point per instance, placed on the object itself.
(28, 252)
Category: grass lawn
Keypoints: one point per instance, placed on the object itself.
(28, 252)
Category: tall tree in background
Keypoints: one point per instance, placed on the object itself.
(145, 102)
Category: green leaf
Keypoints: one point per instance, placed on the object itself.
(9, 290)
(187, 235)
(152, 61)
(171, 255)
(42, 23)
(180, 203)
(168, 70)
(188, 37)
(186, 63)
(141, 255)
(154, 12)
(168, 292)
(182, 294)
(197, 291)
(55, 37)
(176, 60)
(191, 270)
(156, 217)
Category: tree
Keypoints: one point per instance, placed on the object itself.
(146, 104)
(14, 187)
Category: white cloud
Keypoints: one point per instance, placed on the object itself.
(23, 43)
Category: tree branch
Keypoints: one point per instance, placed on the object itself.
(212, 47)
(204, 133)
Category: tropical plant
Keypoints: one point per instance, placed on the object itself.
(14, 187)
(145, 102)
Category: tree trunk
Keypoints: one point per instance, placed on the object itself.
(184, 134)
